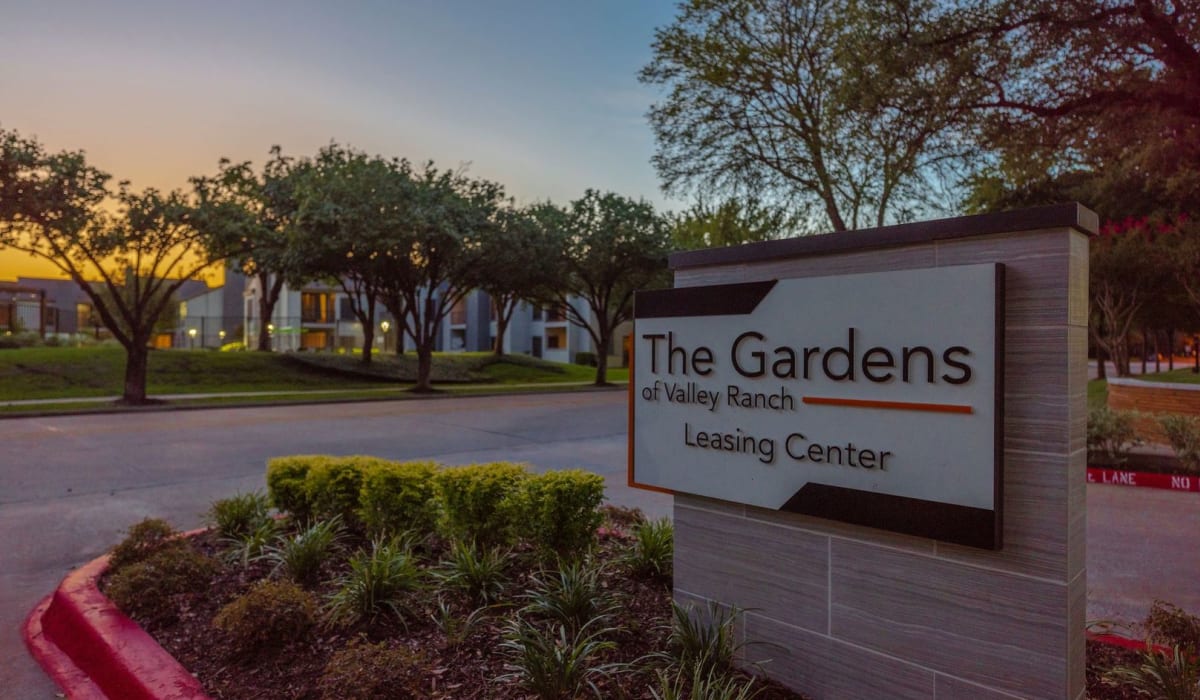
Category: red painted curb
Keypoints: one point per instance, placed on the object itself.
(1120, 477)
(93, 651)
(1127, 643)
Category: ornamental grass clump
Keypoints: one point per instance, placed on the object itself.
(695, 684)
(265, 619)
(554, 663)
(652, 554)
(240, 515)
(377, 584)
(703, 643)
(300, 555)
(572, 595)
(482, 574)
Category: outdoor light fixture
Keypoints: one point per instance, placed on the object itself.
(221, 334)
(270, 327)
(385, 326)
(192, 333)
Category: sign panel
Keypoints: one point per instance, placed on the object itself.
(874, 399)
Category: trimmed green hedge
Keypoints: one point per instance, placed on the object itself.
(488, 504)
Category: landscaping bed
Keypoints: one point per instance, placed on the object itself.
(388, 579)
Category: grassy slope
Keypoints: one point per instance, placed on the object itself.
(1178, 376)
(39, 373)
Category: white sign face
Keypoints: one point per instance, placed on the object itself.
(871, 398)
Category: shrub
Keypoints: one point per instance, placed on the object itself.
(301, 555)
(653, 551)
(333, 486)
(146, 590)
(375, 584)
(472, 500)
(240, 515)
(553, 664)
(703, 643)
(1109, 435)
(143, 540)
(480, 573)
(558, 511)
(585, 358)
(1183, 432)
(399, 496)
(268, 617)
(1169, 625)
(571, 596)
(285, 484)
(246, 548)
(364, 671)
(236, 346)
(1174, 676)
(697, 685)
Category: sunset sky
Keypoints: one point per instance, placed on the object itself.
(540, 96)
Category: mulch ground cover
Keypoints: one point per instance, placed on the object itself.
(463, 668)
(446, 661)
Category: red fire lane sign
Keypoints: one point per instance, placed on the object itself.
(1117, 477)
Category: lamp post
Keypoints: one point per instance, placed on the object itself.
(221, 335)
(192, 337)
(384, 326)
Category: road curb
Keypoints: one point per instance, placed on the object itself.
(93, 651)
(1151, 480)
(108, 409)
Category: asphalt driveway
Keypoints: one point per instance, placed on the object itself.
(70, 485)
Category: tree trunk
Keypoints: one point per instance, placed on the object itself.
(1145, 349)
(264, 316)
(1101, 362)
(602, 360)
(136, 362)
(1157, 354)
(424, 367)
(501, 328)
(368, 341)
(1170, 349)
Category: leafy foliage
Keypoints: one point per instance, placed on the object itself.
(333, 485)
(453, 625)
(268, 617)
(146, 590)
(143, 540)
(395, 497)
(1183, 432)
(1174, 676)
(286, 477)
(704, 642)
(1167, 624)
(695, 684)
(559, 510)
(1109, 435)
(472, 499)
(365, 671)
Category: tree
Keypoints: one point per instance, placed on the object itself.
(1105, 86)
(515, 260)
(732, 222)
(1127, 271)
(432, 252)
(50, 207)
(610, 247)
(344, 200)
(812, 103)
(260, 211)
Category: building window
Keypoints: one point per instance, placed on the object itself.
(554, 315)
(314, 307)
(458, 339)
(345, 309)
(458, 313)
(556, 338)
(537, 313)
(84, 317)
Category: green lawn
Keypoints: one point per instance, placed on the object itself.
(1097, 393)
(1177, 376)
(45, 373)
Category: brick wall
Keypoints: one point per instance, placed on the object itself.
(1150, 398)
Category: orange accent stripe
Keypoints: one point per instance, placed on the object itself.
(895, 405)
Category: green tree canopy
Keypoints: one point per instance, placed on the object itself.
(610, 246)
(51, 207)
(731, 222)
(816, 104)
